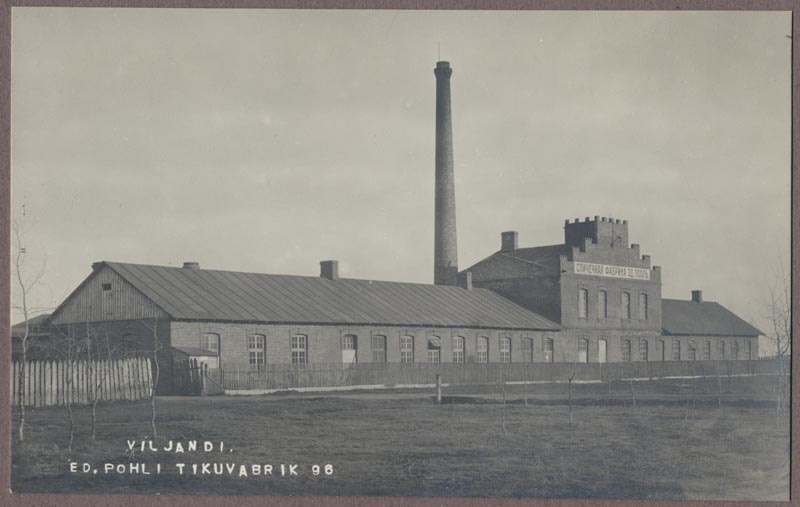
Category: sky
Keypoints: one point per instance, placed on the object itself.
(269, 140)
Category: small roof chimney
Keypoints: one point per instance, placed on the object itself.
(329, 270)
(697, 296)
(508, 241)
(191, 265)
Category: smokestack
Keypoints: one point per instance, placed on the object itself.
(697, 296)
(329, 270)
(445, 267)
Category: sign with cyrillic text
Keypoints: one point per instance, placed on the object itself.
(587, 268)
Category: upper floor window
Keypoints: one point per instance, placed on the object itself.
(406, 349)
(626, 305)
(210, 341)
(255, 349)
(626, 349)
(527, 350)
(642, 306)
(547, 347)
(299, 349)
(602, 304)
(505, 349)
(643, 350)
(458, 349)
(483, 349)
(583, 303)
(378, 348)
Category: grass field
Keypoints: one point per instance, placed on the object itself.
(401, 443)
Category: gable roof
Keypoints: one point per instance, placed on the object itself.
(36, 326)
(203, 294)
(540, 260)
(680, 317)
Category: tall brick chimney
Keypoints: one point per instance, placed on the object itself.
(445, 247)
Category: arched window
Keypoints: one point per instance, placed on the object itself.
(458, 349)
(676, 349)
(210, 341)
(602, 350)
(527, 350)
(721, 348)
(299, 349)
(483, 349)
(602, 304)
(583, 350)
(255, 349)
(626, 349)
(434, 349)
(505, 349)
(378, 348)
(692, 350)
(349, 348)
(583, 303)
(643, 350)
(406, 349)
(547, 347)
(642, 306)
(661, 354)
(707, 351)
(735, 350)
(626, 305)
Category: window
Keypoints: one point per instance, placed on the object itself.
(642, 306)
(692, 352)
(707, 351)
(505, 349)
(210, 341)
(583, 303)
(602, 304)
(748, 349)
(378, 348)
(735, 350)
(676, 350)
(255, 348)
(583, 350)
(458, 349)
(349, 349)
(406, 349)
(527, 350)
(547, 346)
(602, 350)
(721, 348)
(434, 349)
(626, 305)
(643, 350)
(299, 349)
(626, 349)
(483, 349)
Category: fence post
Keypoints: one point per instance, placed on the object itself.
(203, 374)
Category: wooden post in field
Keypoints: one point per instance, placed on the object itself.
(569, 388)
(438, 389)
(633, 394)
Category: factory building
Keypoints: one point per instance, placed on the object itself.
(592, 298)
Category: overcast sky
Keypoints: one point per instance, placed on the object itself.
(268, 140)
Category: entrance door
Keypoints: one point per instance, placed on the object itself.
(601, 348)
(348, 349)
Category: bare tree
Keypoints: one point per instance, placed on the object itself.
(157, 346)
(24, 284)
(779, 316)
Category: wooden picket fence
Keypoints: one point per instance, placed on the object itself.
(49, 383)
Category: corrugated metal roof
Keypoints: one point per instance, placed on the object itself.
(202, 294)
(680, 317)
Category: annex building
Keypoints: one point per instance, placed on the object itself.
(592, 298)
